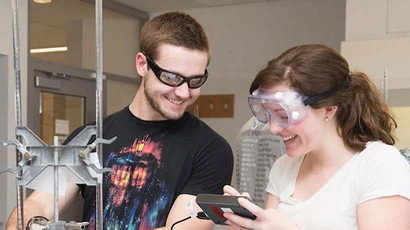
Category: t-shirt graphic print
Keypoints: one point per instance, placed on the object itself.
(135, 197)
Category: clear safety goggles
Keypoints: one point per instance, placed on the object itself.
(285, 108)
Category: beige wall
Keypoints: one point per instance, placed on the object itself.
(403, 126)
(119, 95)
(377, 19)
(120, 45)
(375, 57)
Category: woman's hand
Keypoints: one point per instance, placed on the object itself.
(231, 191)
(266, 219)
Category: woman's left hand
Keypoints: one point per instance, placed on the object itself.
(266, 219)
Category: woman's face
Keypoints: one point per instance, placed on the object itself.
(303, 137)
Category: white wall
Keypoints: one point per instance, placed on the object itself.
(373, 57)
(7, 121)
(377, 19)
(245, 37)
(378, 36)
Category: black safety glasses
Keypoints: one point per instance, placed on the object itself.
(173, 79)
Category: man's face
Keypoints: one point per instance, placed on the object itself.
(171, 102)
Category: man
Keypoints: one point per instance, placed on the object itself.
(163, 156)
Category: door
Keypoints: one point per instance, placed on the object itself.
(60, 99)
(64, 104)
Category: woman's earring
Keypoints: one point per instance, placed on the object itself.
(326, 119)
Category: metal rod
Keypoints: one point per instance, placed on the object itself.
(16, 52)
(99, 110)
(56, 185)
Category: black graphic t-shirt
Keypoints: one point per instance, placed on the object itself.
(155, 161)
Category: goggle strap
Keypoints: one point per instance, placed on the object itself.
(316, 98)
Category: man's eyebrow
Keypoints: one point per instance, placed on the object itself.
(179, 74)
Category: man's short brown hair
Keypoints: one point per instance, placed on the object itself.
(174, 28)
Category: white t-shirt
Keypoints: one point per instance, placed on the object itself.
(379, 170)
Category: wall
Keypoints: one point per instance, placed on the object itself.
(377, 19)
(378, 39)
(120, 94)
(375, 57)
(3, 133)
(120, 45)
(245, 37)
(403, 126)
(7, 99)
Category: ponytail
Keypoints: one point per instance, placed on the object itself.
(364, 114)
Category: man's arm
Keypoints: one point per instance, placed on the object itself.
(42, 204)
(212, 169)
(179, 212)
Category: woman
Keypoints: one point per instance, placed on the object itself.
(341, 170)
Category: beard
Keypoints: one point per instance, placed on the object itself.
(170, 115)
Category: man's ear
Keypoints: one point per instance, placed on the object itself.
(330, 111)
(141, 64)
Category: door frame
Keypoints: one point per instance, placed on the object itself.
(65, 73)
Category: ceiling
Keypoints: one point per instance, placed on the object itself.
(151, 6)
